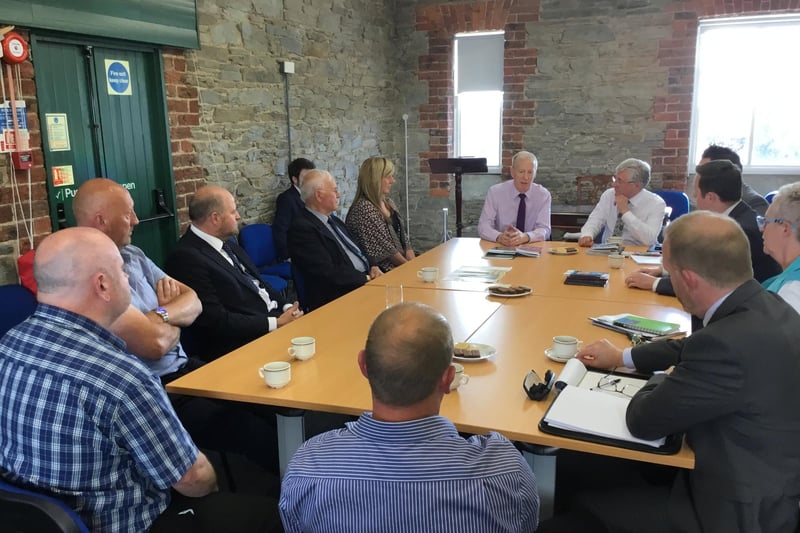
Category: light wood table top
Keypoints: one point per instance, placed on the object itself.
(330, 381)
(519, 328)
(544, 274)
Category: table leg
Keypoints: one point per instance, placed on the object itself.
(291, 433)
(544, 467)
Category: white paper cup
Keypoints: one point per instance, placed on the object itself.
(303, 348)
(428, 274)
(565, 346)
(460, 377)
(276, 374)
(616, 260)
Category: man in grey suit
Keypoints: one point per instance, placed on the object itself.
(732, 390)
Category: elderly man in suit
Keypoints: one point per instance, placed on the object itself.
(732, 390)
(322, 249)
(288, 204)
(717, 188)
(237, 305)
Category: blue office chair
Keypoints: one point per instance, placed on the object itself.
(18, 304)
(257, 241)
(677, 200)
(26, 511)
(256, 254)
(770, 196)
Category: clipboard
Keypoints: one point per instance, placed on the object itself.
(606, 407)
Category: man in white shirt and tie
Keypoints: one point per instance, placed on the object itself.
(627, 210)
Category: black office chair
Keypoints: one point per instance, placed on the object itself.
(18, 304)
(26, 511)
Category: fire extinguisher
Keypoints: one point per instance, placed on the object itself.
(14, 51)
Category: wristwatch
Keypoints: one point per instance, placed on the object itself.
(160, 311)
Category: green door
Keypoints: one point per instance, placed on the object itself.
(102, 112)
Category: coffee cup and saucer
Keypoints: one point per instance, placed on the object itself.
(563, 349)
(460, 377)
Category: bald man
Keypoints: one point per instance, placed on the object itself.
(70, 386)
(733, 391)
(160, 305)
(322, 248)
(238, 306)
(403, 467)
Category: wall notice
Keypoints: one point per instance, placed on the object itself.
(57, 132)
(118, 77)
(62, 176)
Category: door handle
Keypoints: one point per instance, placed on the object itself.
(162, 210)
(61, 215)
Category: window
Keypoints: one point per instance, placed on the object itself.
(478, 76)
(747, 77)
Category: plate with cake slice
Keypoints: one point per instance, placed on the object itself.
(509, 291)
(472, 351)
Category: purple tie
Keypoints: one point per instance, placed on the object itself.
(521, 213)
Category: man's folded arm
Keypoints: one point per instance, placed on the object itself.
(146, 334)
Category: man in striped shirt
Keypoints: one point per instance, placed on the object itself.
(403, 467)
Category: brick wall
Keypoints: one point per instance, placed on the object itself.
(441, 22)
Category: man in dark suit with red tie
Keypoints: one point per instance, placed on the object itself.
(321, 248)
(237, 305)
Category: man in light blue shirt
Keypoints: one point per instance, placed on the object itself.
(403, 467)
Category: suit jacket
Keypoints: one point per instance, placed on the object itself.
(734, 391)
(326, 269)
(764, 266)
(233, 311)
(287, 205)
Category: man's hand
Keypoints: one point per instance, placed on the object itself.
(640, 280)
(291, 314)
(374, 272)
(656, 271)
(586, 241)
(601, 354)
(410, 254)
(622, 203)
(167, 289)
(512, 237)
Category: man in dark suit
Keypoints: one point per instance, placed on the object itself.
(321, 248)
(717, 188)
(288, 205)
(732, 390)
(237, 305)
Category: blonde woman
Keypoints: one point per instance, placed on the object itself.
(373, 218)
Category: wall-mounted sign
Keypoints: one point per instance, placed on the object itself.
(118, 77)
(62, 176)
(57, 132)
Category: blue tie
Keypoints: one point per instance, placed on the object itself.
(348, 243)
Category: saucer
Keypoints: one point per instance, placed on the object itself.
(486, 350)
(550, 355)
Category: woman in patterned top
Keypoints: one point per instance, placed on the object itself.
(373, 218)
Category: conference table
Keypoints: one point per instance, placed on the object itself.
(520, 329)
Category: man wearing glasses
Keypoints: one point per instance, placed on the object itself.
(782, 243)
(732, 390)
(717, 188)
(627, 211)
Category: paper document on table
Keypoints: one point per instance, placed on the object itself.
(479, 274)
(646, 259)
(587, 411)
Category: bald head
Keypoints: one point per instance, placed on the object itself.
(106, 205)
(711, 245)
(409, 347)
(80, 269)
(213, 210)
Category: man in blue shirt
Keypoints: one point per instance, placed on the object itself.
(403, 467)
(86, 422)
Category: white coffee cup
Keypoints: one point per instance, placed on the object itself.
(428, 274)
(565, 346)
(616, 260)
(276, 374)
(303, 348)
(460, 377)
